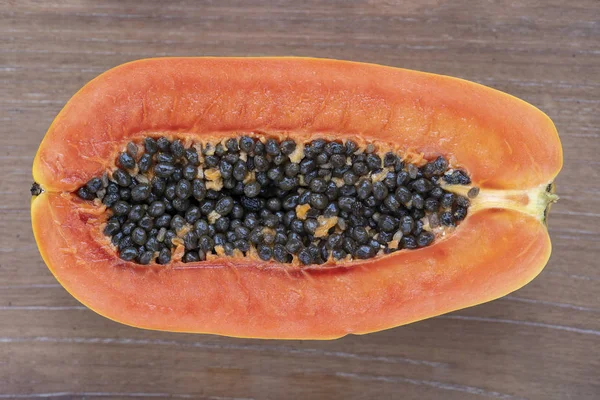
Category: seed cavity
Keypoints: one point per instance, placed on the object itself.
(281, 200)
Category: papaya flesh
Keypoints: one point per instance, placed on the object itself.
(509, 149)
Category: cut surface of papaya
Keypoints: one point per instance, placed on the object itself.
(291, 198)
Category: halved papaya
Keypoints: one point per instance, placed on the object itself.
(392, 145)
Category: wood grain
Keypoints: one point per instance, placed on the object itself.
(541, 342)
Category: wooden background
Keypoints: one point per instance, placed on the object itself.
(541, 342)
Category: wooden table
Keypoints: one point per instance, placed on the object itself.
(541, 342)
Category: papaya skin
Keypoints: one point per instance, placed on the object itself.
(510, 149)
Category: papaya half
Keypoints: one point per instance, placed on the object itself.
(291, 198)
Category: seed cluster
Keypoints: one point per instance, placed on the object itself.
(279, 200)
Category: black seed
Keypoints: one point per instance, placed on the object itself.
(349, 245)
(418, 202)
(177, 148)
(436, 192)
(121, 208)
(158, 185)
(422, 185)
(337, 160)
(288, 183)
(447, 219)
(364, 252)
(361, 235)
(146, 223)
(288, 147)
(346, 203)
(125, 193)
(163, 221)
(128, 253)
(205, 243)
(164, 256)
(403, 195)
(242, 245)
(191, 256)
(246, 144)
(222, 224)
(431, 204)
(193, 214)
(275, 174)
(239, 170)
(407, 224)
(390, 159)
(305, 257)
(261, 164)
(177, 223)
(180, 205)
(291, 170)
(387, 223)
(390, 180)
(116, 239)
(307, 165)
(163, 144)
(122, 178)
(136, 213)
(459, 214)
(125, 242)
(126, 161)
(94, 185)
(190, 240)
(219, 239)
(192, 156)
(457, 177)
(189, 172)
(140, 192)
(150, 145)
(408, 242)
(224, 205)
(164, 170)
(139, 236)
(447, 200)
(373, 162)
(211, 161)
(198, 189)
(112, 227)
(392, 202)
(332, 191)
(462, 201)
(351, 147)
(318, 201)
(145, 163)
(201, 227)
(473, 192)
(128, 227)
(165, 158)
(146, 257)
(293, 245)
(252, 189)
(183, 190)
(84, 193)
(237, 211)
(156, 209)
(272, 147)
(380, 191)
(177, 174)
(232, 145)
(334, 148)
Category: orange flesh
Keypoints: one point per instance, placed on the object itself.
(502, 142)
